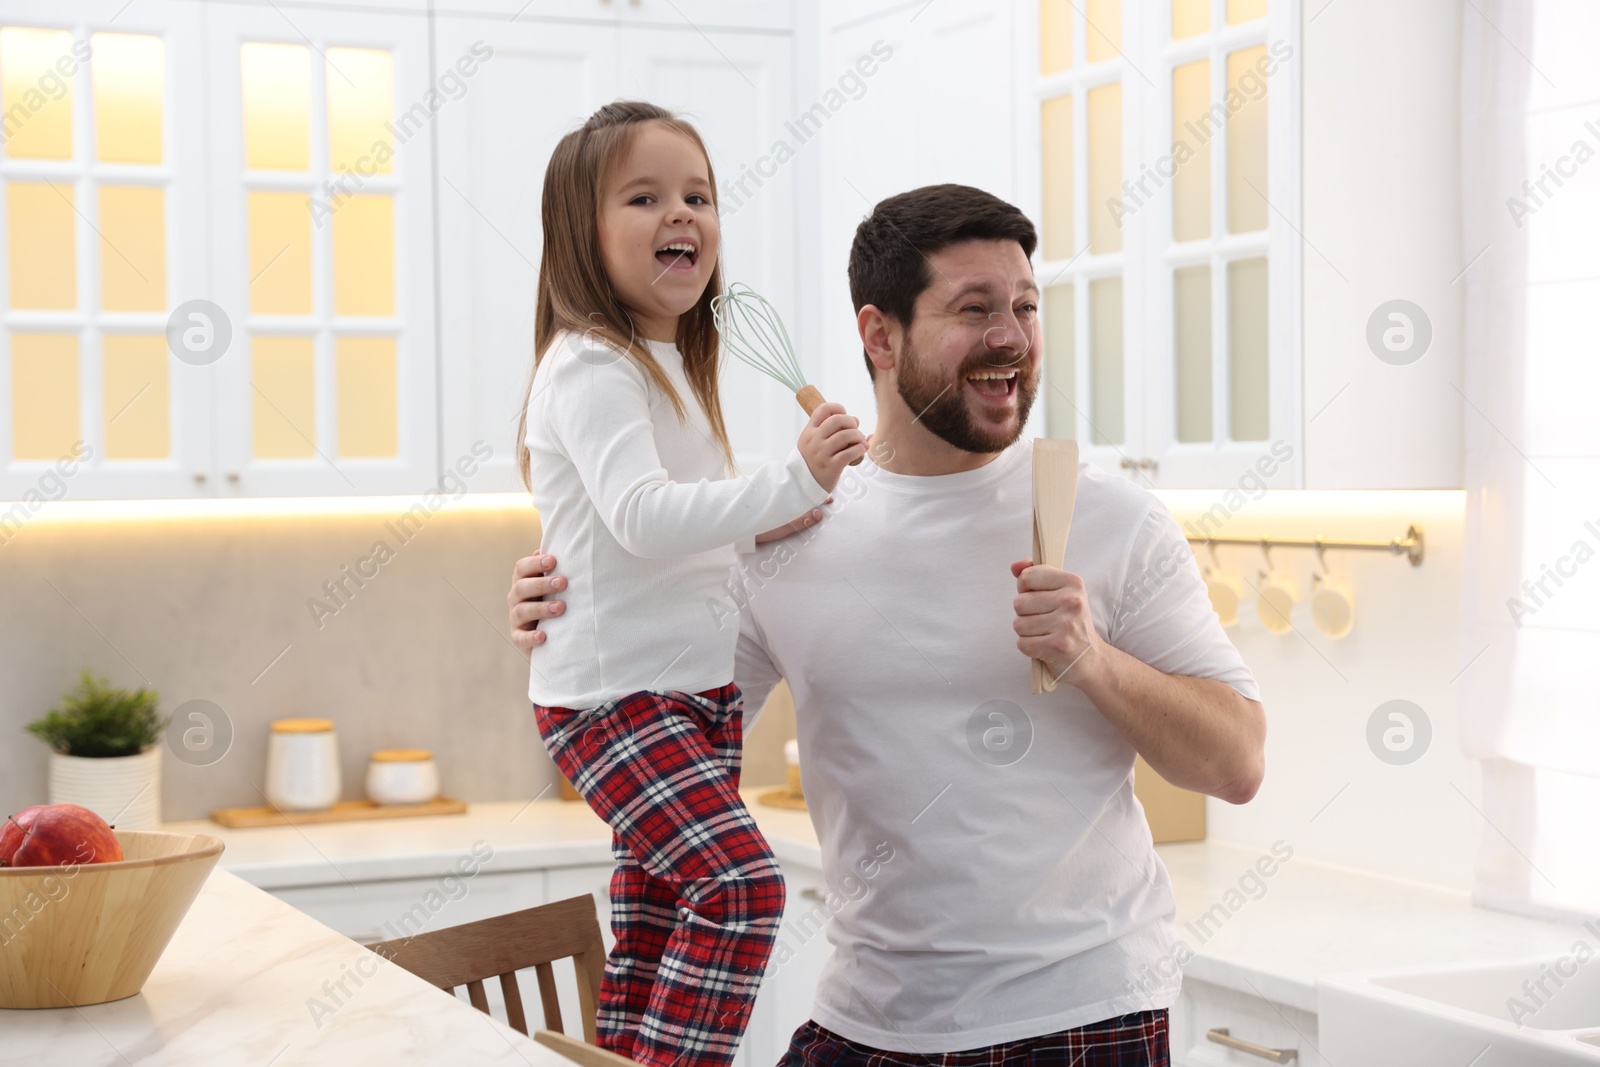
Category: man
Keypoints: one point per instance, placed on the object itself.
(1023, 915)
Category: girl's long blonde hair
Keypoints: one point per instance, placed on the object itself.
(575, 292)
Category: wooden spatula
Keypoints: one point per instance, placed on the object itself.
(1055, 490)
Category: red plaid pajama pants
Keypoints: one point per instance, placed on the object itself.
(1138, 1040)
(697, 896)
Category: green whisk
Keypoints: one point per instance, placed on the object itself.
(754, 332)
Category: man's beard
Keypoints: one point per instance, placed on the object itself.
(941, 406)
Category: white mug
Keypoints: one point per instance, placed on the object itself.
(1333, 604)
(402, 776)
(1226, 591)
(1277, 598)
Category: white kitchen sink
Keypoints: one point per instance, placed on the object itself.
(1461, 1015)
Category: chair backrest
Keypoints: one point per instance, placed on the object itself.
(502, 946)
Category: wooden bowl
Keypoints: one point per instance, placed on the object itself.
(86, 934)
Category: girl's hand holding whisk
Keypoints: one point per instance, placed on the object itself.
(830, 442)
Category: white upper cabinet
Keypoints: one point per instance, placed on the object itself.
(537, 83)
(736, 88)
(544, 79)
(672, 14)
(909, 96)
(102, 235)
(322, 250)
(1388, 264)
(284, 248)
(1161, 159)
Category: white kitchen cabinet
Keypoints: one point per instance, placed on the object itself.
(736, 88)
(671, 14)
(1203, 1007)
(791, 983)
(102, 231)
(219, 251)
(322, 250)
(901, 98)
(491, 185)
(369, 911)
(543, 80)
(346, 377)
(560, 884)
(784, 1003)
(1384, 222)
(1170, 251)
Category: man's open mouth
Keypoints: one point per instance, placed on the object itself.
(678, 255)
(994, 383)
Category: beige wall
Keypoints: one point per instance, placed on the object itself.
(216, 609)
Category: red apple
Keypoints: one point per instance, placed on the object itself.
(12, 831)
(66, 834)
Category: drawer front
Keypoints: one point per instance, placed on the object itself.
(379, 911)
(1203, 1007)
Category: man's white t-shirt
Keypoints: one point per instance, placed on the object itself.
(1022, 894)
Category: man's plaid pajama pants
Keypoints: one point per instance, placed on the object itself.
(697, 896)
(1138, 1040)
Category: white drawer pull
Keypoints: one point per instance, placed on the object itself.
(1273, 1055)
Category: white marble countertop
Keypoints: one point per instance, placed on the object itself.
(1275, 936)
(239, 983)
(525, 836)
(1272, 936)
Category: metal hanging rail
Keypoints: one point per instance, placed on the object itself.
(1409, 545)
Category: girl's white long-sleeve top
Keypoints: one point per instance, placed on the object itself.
(643, 520)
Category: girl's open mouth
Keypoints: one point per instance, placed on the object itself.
(994, 384)
(678, 255)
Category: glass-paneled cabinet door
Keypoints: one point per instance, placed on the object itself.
(1081, 111)
(322, 246)
(1220, 254)
(102, 236)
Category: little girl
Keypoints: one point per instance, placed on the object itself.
(627, 458)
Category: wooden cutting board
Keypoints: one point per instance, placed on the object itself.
(343, 811)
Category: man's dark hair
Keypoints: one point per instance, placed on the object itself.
(889, 258)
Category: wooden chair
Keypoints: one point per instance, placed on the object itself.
(502, 946)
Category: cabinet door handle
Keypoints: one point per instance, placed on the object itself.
(813, 894)
(1219, 1035)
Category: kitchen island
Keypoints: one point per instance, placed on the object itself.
(1260, 925)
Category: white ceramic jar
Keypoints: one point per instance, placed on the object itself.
(402, 776)
(302, 765)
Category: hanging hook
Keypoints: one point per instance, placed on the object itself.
(1266, 552)
(1320, 557)
(1211, 547)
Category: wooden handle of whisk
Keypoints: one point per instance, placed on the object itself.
(810, 399)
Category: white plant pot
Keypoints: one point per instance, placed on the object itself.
(123, 790)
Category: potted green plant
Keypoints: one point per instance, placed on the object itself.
(105, 752)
